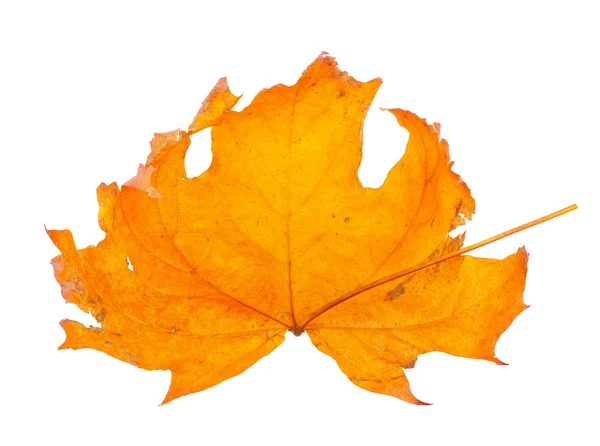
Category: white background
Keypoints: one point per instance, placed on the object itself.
(515, 86)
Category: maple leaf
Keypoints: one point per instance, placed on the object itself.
(279, 234)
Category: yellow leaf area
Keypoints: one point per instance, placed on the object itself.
(223, 264)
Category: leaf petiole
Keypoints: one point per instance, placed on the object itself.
(300, 328)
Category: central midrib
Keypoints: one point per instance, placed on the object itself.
(289, 214)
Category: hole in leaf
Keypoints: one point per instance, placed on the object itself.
(129, 265)
(199, 155)
(384, 142)
(74, 313)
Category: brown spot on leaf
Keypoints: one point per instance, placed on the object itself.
(396, 292)
(101, 315)
(369, 380)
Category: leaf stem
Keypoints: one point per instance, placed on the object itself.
(300, 328)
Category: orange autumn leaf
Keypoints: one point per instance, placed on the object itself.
(279, 234)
